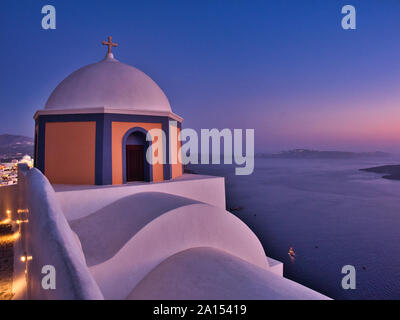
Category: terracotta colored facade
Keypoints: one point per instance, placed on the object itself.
(70, 152)
(89, 149)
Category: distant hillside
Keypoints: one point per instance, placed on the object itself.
(12, 146)
(315, 154)
(391, 172)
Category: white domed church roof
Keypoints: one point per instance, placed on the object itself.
(108, 84)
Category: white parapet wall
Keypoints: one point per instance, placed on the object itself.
(183, 228)
(47, 240)
(80, 201)
(124, 242)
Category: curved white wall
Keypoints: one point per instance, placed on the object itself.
(196, 225)
(211, 274)
(50, 241)
(105, 232)
(81, 201)
(163, 241)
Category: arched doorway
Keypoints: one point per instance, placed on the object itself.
(136, 167)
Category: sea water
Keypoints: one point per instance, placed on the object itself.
(331, 213)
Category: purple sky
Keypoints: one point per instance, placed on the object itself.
(285, 68)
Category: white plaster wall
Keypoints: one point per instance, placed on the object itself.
(196, 225)
(152, 254)
(80, 201)
(275, 266)
(50, 241)
(208, 273)
(105, 232)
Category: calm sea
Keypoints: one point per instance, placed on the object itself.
(331, 213)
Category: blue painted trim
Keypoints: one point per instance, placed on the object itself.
(179, 125)
(148, 168)
(103, 159)
(41, 145)
(167, 166)
(107, 152)
(99, 151)
(180, 129)
(35, 144)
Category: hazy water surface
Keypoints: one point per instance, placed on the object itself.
(331, 213)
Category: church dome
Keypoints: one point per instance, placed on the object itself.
(109, 84)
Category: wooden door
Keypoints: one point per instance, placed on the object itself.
(135, 163)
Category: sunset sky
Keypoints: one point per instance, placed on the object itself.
(285, 68)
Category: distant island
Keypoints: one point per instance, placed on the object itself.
(15, 147)
(392, 172)
(316, 154)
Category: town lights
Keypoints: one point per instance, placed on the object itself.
(5, 221)
(10, 237)
(8, 219)
(25, 258)
(23, 217)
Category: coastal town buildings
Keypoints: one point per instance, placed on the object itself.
(9, 170)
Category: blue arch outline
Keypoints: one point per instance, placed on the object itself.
(103, 159)
(148, 167)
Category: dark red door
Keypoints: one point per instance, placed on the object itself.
(134, 163)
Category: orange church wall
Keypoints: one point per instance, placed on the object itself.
(177, 168)
(118, 130)
(70, 152)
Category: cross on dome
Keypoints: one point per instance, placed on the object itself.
(110, 44)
